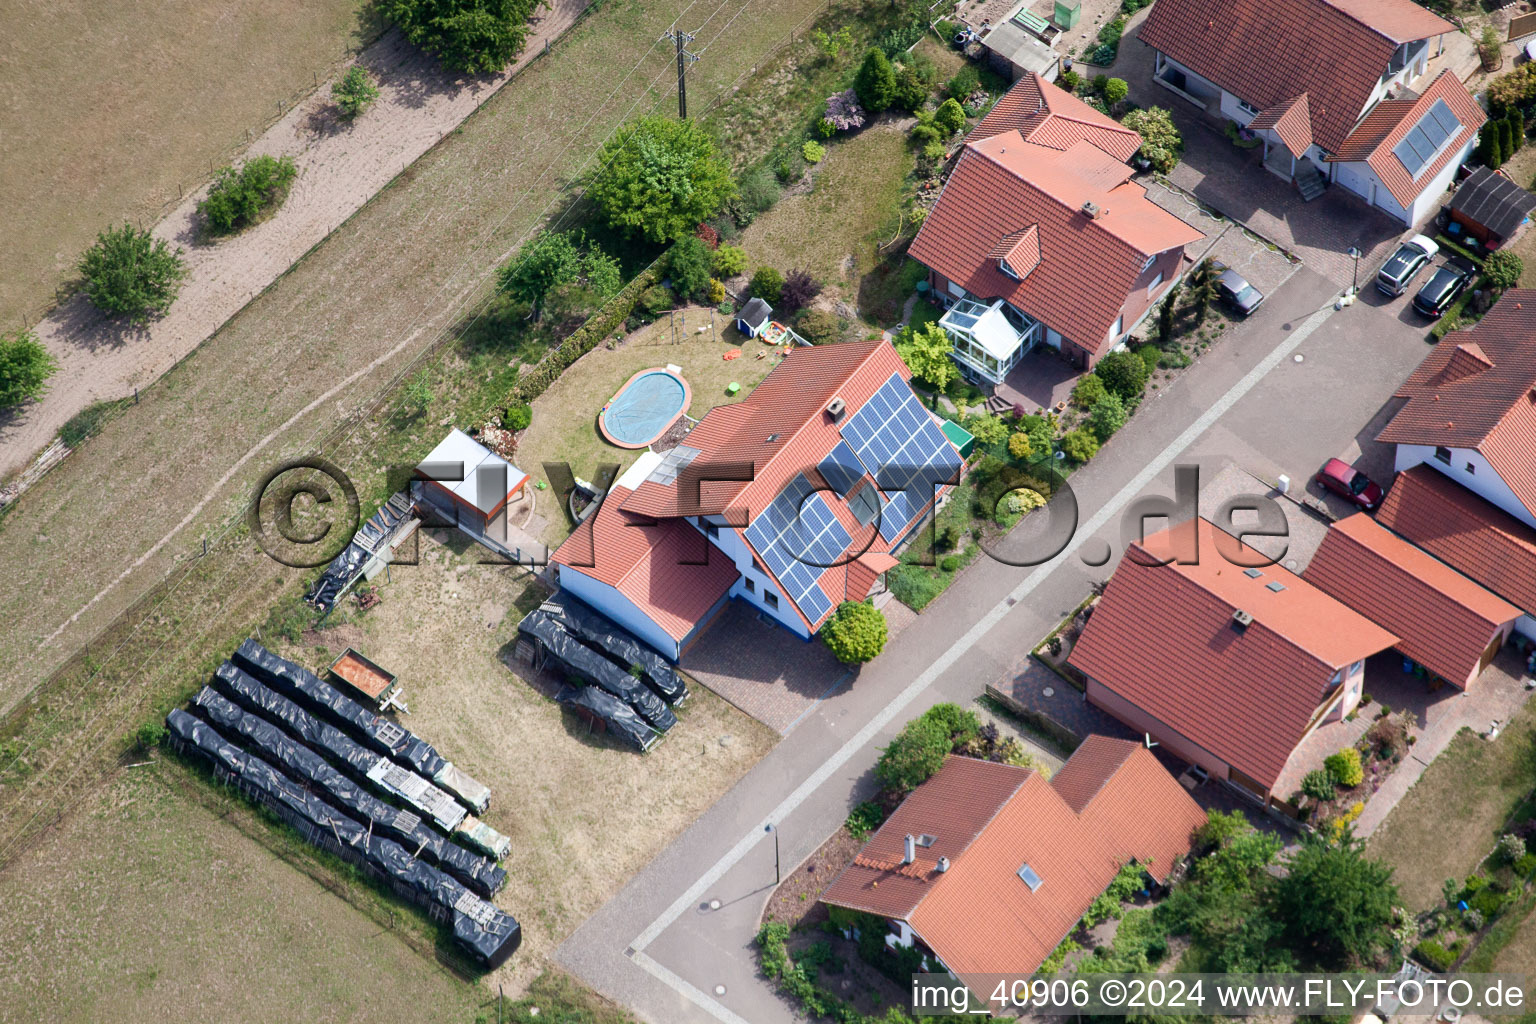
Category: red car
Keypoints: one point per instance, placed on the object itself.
(1349, 483)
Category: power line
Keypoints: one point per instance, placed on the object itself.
(684, 60)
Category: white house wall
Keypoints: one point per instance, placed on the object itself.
(612, 603)
(1232, 112)
(1358, 177)
(1482, 480)
(731, 544)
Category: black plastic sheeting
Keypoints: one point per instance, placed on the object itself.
(597, 630)
(348, 565)
(404, 827)
(591, 667)
(322, 698)
(485, 932)
(248, 692)
(622, 722)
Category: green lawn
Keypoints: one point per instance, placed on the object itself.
(1452, 816)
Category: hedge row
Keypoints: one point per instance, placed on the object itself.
(585, 338)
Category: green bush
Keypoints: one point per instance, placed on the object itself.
(688, 263)
(759, 189)
(1318, 785)
(1511, 848)
(1016, 504)
(950, 117)
(819, 327)
(1161, 142)
(914, 755)
(354, 92)
(1020, 447)
(966, 81)
(1526, 866)
(239, 198)
(149, 735)
(658, 298)
(875, 83)
(813, 151)
(1115, 90)
(767, 284)
(128, 273)
(1503, 268)
(1345, 768)
(1149, 354)
(864, 819)
(1123, 374)
(1069, 80)
(659, 177)
(518, 416)
(1088, 390)
(1434, 956)
(855, 633)
(952, 563)
(1080, 445)
(474, 36)
(987, 428)
(25, 366)
(1107, 417)
(729, 260)
(913, 586)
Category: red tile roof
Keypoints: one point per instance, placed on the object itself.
(1289, 120)
(1477, 389)
(648, 562)
(1464, 531)
(1163, 638)
(1381, 133)
(1444, 619)
(991, 819)
(1050, 116)
(1265, 52)
(1003, 185)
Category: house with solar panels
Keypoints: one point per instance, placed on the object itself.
(792, 500)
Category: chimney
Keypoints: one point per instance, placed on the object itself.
(1241, 620)
(909, 849)
(836, 409)
(943, 865)
(1092, 210)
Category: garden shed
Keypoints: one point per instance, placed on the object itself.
(1490, 209)
(471, 485)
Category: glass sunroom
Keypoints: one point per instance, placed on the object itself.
(989, 340)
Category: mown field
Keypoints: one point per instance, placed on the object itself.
(107, 110)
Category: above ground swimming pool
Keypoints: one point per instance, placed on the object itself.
(647, 404)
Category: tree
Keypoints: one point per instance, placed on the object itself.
(1115, 90)
(1516, 121)
(239, 198)
(987, 428)
(473, 36)
(926, 351)
(875, 84)
(549, 261)
(688, 262)
(1503, 268)
(914, 755)
(798, 291)
(1167, 314)
(911, 91)
(1506, 139)
(767, 284)
(354, 91)
(729, 260)
(1202, 288)
(1124, 374)
(949, 118)
(1041, 433)
(1108, 416)
(128, 273)
(855, 633)
(1020, 447)
(1335, 903)
(659, 178)
(1080, 445)
(831, 45)
(1161, 142)
(1318, 784)
(25, 366)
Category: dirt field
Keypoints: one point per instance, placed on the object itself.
(583, 813)
(108, 108)
(140, 908)
(564, 427)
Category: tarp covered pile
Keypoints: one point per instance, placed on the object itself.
(486, 933)
(587, 665)
(620, 719)
(379, 530)
(603, 634)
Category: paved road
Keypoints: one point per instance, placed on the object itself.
(1248, 400)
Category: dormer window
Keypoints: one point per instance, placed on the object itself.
(1002, 265)
(1018, 253)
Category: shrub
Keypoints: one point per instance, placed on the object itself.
(657, 299)
(1108, 416)
(548, 261)
(1041, 432)
(1124, 374)
(914, 755)
(913, 586)
(1161, 141)
(1511, 848)
(988, 429)
(911, 91)
(875, 83)
(844, 113)
(767, 284)
(759, 190)
(813, 151)
(1150, 355)
(1080, 445)
(659, 177)
(949, 118)
(729, 260)
(688, 263)
(149, 735)
(966, 81)
(798, 290)
(1019, 446)
(128, 273)
(926, 351)
(1069, 80)
(474, 36)
(952, 563)
(25, 366)
(1016, 504)
(1115, 90)
(354, 91)
(518, 416)
(1503, 268)
(238, 199)
(1345, 767)
(1526, 865)
(864, 819)
(1318, 784)
(1472, 918)
(716, 292)
(1088, 390)
(1434, 956)
(819, 327)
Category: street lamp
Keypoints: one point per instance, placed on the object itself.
(775, 832)
(1354, 278)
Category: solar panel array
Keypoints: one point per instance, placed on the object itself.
(799, 538)
(908, 455)
(1424, 140)
(841, 469)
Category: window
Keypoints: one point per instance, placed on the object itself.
(864, 505)
(1444, 455)
(711, 531)
(1471, 469)
(1148, 265)
(1156, 283)
(1031, 879)
(751, 586)
(771, 599)
(1005, 268)
(1119, 327)
(1245, 108)
(957, 291)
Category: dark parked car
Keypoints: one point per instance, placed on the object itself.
(1241, 295)
(1442, 290)
(1404, 265)
(1348, 482)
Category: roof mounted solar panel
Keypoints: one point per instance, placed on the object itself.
(1425, 139)
(841, 469)
(798, 538)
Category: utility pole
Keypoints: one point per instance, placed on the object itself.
(684, 58)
